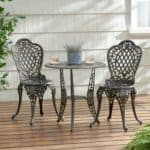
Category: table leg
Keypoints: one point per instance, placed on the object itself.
(72, 99)
(90, 95)
(63, 96)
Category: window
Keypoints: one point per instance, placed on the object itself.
(140, 16)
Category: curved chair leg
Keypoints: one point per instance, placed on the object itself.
(133, 95)
(33, 102)
(122, 102)
(99, 101)
(111, 98)
(20, 90)
(41, 106)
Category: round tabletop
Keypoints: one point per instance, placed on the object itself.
(65, 65)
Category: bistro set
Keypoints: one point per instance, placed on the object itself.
(123, 61)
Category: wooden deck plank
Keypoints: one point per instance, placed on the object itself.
(47, 134)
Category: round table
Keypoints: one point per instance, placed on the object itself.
(90, 92)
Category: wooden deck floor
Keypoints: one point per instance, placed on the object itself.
(47, 134)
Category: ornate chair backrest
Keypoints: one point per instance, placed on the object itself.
(28, 57)
(123, 61)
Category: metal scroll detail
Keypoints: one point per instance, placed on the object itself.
(99, 101)
(123, 61)
(121, 95)
(63, 96)
(33, 93)
(90, 94)
(28, 57)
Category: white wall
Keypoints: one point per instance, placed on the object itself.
(53, 23)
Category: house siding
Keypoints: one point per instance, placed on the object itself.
(99, 24)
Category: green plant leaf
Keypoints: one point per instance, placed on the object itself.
(1, 10)
(141, 140)
(2, 65)
(7, 26)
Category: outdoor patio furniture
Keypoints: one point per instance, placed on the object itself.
(90, 92)
(123, 61)
(28, 58)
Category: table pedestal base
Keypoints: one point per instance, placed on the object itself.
(90, 96)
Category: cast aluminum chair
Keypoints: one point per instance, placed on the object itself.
(123, 61)
(28, 58)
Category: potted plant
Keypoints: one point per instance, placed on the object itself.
(7, 26)
(74, 54)
(141, 140)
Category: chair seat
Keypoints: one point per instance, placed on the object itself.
(37, 82)
(118, 84)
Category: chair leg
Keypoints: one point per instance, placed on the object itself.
(122, 102)
(41, 106)
(33, 102)
(111, 103)
(133, 95)
(111, 98)
(20, 90)
(99, 101)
